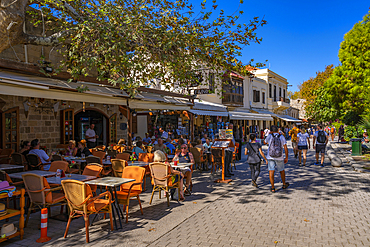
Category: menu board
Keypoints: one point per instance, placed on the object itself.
(229, 134)
(222, 134)
(221, 144)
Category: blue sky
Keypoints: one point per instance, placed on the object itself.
(301, 37)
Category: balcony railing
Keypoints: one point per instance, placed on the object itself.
(285, 100)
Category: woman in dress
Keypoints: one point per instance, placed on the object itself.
(303, 144)
(176, 176)
(71, 149)
(254, 151)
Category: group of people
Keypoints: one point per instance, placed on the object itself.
(277, 153)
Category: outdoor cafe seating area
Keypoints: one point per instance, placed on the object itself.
(104, 182)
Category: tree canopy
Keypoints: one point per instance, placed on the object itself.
(133, 43)
(349, 85)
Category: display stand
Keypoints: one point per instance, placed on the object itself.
(15, 212)
(223, 144)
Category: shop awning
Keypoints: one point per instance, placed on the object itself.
(288, 118)
(210, 113)
(264, 111)
(208, 106)
(151, 101)
(238, 115)
(17, 84)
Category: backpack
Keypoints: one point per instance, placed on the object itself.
(276, 148)
(321, 137)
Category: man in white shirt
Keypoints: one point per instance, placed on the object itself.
(164, 133)
(91, 136)
(275, 156)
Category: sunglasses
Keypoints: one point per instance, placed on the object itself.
(184, 148)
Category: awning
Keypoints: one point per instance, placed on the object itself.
(151, 101)
(264, 111)
(238, 115)
(288, 118)
(210, 113)
(17, 84)
(208, 106)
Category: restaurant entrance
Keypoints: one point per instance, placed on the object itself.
(84, 119)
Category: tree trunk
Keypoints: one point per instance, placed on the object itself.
(12, 17)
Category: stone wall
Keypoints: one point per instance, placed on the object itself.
(46, 126)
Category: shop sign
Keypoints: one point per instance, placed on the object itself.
(201, 91)
(84, 119)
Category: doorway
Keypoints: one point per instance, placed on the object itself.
(82, 123)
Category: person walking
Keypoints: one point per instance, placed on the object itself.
(332, 132)
(320, 139)
(275, 157)
(254, 151)
(293, 134)
(340, 133)
(303, 144)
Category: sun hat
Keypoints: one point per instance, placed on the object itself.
(8, 229)
(5, 187)
(2, 209)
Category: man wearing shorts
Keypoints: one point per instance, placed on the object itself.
(293, 133)
(276, 163)
(320, 145)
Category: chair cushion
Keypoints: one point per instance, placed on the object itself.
(98, 205)
(55, 197)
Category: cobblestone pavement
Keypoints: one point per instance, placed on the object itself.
(323, 206)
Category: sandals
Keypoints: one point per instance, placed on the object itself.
(187, 192)
(286, 185)
(273, 190)
(254, 184)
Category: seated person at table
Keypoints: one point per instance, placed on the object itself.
(160, 146)
(207, 145)
(147, 139)
(121, 142)
(82, 149)
(198, 144)
(25, 148)
(186, 157)
(138, 149)
(169, 145)
(35, 144)
(153, 141)
(71, 150)
(159, 156)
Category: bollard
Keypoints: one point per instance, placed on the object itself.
(44, 226)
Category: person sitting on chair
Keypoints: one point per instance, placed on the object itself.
(82, 149)
(35, 144)
(71, 149)
(186, 157)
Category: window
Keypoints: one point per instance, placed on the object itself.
(67, 117)
(270, 90)
(274, 93)
(256, 96)
(11, 128)
(279, 92)
(233, 92)
(211, 82)
(263, 97)
(113, 128)
(284, 93)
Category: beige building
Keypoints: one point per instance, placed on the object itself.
(299, 104)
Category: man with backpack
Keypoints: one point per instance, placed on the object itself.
(320, 139)
(275, 158)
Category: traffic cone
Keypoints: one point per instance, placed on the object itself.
(44, 226)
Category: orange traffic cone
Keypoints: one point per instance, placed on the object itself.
(44, 226)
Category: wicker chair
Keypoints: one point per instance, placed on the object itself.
(198, 157)
(19, 159)
(132, 189)
(82, 203)
(34, 162)
(40, 193)
(93, 169)
(216, 158)
(161, 181)
(93, 159)
(56, 157)
(99, 154)
(235, 154)
(123, 156)
(118, 166)
(7, 152)
(146, 157)
(55, 165)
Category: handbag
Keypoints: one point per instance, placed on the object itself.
(258, 155)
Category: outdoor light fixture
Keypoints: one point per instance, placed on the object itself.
(134, 113)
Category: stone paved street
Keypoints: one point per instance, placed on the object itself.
(322, 207)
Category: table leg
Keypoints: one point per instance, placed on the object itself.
(113, 207)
